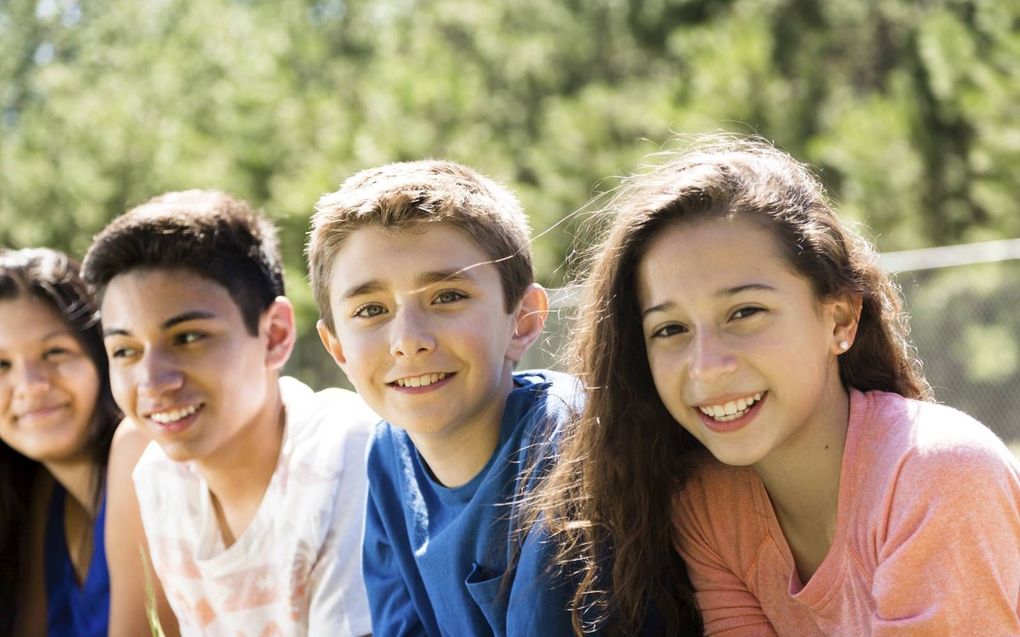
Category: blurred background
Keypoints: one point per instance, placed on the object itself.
(907, 109)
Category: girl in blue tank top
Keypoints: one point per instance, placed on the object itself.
(57, 418)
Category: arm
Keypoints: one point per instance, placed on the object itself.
(393, 610)
(339, 605)
(126, 544)
(949, 558)
(541, 593)
(728, 607)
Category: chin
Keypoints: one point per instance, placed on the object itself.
(735, 458)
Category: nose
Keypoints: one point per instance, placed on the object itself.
(711, 358)
(158, 374)
(33, 379)
(410, 333)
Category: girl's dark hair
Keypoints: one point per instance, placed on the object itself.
(608, 500)
(53, 278)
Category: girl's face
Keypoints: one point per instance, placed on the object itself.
(48, 384)
(743, 353)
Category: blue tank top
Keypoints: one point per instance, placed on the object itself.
(73, 610)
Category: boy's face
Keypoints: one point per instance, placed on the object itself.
(183, 365)
(422, 330)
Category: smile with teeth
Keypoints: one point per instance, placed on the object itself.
(420, 381)
(731, 410)
(173, 415)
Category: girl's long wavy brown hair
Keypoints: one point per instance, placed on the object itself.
(607, 502)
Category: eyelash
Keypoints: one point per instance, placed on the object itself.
(187, 338)
(749, 312)
(53, 351)
(363, 311)
(122, 352)
(739, 314)
(456, 293)
(662, 331)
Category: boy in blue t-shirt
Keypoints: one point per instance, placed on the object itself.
(423, 278)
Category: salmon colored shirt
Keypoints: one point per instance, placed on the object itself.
(927, 540)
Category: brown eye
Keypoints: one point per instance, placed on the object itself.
(187, 338)
(747, 312)
(122, 352)
(669, 330)
(55, 352)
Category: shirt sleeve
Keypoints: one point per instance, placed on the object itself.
(949, 556)
(541, 595)
(393, 612)
(728, 607)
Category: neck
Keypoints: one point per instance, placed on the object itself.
(240, 472)
(76, 477)
(802, 477)
(455, 456)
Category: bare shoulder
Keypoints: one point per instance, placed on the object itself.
(129, 434)
(129, 442)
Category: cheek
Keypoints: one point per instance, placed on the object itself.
(665, 373)
(83, 377)
(360, 349)
(120, 386)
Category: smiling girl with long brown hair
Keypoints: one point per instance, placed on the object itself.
(755, 407)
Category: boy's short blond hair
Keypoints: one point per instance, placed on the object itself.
(408, 194)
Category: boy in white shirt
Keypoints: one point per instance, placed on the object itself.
(251, 495)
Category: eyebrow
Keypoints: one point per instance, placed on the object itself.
(184, 317)
(423, 280)
(724, 292)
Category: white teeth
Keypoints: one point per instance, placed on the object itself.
(421, 381)
(731, 410)
(167, 417)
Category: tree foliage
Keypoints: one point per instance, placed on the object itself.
(907, 108)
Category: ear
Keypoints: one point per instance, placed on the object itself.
(332, 344)
(845, 313)
(277, 324)
(528, 321)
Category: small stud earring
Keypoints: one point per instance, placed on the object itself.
(844, 345)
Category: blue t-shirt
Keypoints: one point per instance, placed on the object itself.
(73, 610)
(436, 558)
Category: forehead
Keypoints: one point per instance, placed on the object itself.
(705, 257)
(146, 298)
(27, 319)
(398, 255)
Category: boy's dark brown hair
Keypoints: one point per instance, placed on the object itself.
(608, 500)
(409, 194)
(206, 232)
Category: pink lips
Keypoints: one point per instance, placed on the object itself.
(732, 425)
(40, 413)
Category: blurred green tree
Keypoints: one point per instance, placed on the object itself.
(908, 109)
